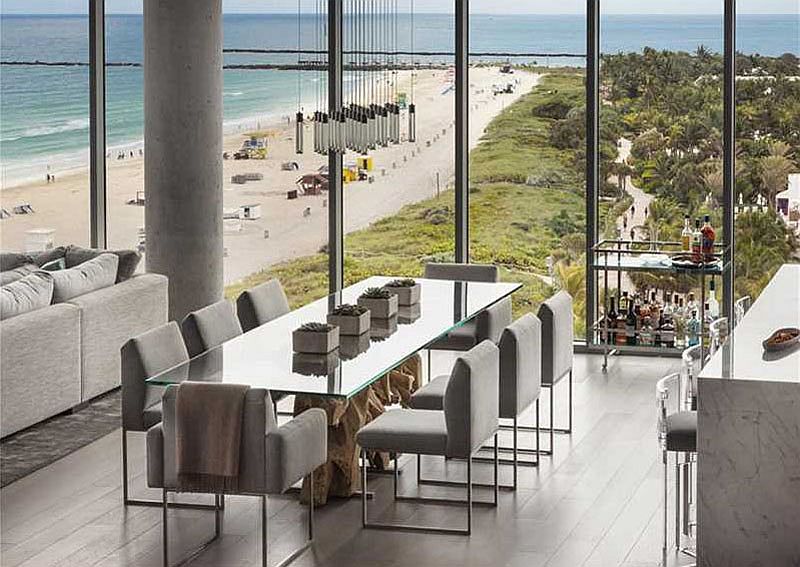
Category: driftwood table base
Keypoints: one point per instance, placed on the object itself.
(339, 477)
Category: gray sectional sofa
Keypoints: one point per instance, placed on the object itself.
(56, 357)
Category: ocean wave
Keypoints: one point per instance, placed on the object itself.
(74, 125)
(235, 93)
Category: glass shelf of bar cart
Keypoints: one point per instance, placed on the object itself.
(617, 259)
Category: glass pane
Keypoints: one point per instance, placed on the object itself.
(274, 228)
(125, 127)
(399, 201)
(527, 134)
(767, 144)
(44, 128)
(661, 163)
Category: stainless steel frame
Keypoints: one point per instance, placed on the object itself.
(219, 504)
(469, 502)
(218, 529)
(97, 125)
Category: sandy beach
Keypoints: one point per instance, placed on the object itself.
(287, 229)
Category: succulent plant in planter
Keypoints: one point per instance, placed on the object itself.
(406, 289)
(315, 338)
(351, 319)
(380, 301)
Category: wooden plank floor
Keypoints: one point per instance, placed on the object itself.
(595, 504)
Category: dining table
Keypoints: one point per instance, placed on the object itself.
(748, 437)
(354, 382)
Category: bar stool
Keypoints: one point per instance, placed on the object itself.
(677, 433)
(520, 385)
(271, 460)
(740, 308)
(718, 331)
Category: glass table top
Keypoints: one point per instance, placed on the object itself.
(264, 357)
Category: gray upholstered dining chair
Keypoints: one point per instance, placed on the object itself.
(271, 460)
(468, 420)
(143, 357)
(677, 433)
(261, 304)
(520, 384)
(486, 325)
(557, 353)
(209, 327)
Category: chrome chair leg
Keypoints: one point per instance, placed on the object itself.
(411, 528)
(515, 449)
(127, 501)
(677, 502)
(495, 485)
(165, 531)
(664, 459)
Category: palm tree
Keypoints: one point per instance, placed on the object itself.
(774, 170)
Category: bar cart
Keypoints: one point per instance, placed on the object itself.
(614, 258)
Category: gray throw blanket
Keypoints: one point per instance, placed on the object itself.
(208, 432)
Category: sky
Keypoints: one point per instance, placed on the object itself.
(477, 6)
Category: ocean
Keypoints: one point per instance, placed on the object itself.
(44, 110)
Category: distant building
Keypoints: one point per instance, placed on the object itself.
(787, 203)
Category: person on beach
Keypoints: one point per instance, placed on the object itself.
(633, 234)
(633, 210)
(48, 178)
(625, 222)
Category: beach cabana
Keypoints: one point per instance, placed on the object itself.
(313, 183)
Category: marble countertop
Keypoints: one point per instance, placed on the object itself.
(743, 357)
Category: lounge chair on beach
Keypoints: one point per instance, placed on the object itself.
(23, 209)
(4, 214)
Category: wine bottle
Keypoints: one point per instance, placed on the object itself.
(686, 235)
(697, 243)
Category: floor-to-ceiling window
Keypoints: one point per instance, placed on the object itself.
(767, 190)
(275, 199)
(44, 126)
(399, 196)
(660, 154)
(527, 134)
(125, 126)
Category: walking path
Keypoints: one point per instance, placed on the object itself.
(641, 200)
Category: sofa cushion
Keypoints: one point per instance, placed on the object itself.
(55, 265)
(128, 259)
(17, 273)
(29, 293)
(95, 274)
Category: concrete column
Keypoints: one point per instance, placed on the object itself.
(183, 149)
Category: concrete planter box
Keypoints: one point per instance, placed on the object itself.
(351, 346)
(315, 364)
(381, 329)
(309, 342)
(406, 295)
(407, 314)
(350, 325)
(380, 308)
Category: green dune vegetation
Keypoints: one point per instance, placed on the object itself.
(526, 203)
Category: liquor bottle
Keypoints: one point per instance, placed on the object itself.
(655, 306)
(713, 304)
(708, 237)
(621, 335)
(686, 235)
(668, 310)
(693, 330)
(610, 323)
(667, 333)
(646, 334)
(697, 243)
(624, 303)
(630, 327)
(691, 304)
(679, 320)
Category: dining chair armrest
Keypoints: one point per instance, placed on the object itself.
(295, 449)
(155, 457)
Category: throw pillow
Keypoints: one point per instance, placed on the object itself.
(55, 265)
(12, 260)
(47, 256)
(92, 275)
(34, 291)
(128, 259)
(17, 273)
